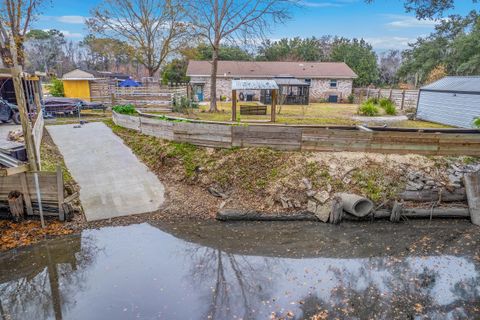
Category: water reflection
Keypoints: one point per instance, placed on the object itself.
(213, 271)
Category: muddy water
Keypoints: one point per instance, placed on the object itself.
(248, 271)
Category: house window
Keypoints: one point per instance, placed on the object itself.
(333, 83)
(309, 81)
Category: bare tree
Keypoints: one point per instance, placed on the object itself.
(221, 20)
(153, 27)
(15, 19)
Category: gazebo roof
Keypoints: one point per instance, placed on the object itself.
(254, 85)
(291, 82)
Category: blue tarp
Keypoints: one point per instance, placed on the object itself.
(129, 83)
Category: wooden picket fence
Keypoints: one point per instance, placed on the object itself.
(403, 99)
(454, 142)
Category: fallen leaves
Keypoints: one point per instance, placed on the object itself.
(14, 235)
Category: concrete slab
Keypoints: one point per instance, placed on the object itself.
(113, 182)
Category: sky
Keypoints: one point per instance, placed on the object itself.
(384, 24)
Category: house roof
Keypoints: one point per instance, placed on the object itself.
(455, 84)
(254, 85)
(270, 69)
(83, 74)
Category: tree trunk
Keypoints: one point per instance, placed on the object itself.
(213, 81)
(151, 72)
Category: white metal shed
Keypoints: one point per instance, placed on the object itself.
(453, 101)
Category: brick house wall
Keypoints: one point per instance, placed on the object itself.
(319, 88)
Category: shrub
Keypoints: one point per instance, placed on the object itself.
(182, 104)
(125, 109)
(388, 106)
(56, 88)
(351, 98)
(368, 109)
(373, 100)
(476, 122)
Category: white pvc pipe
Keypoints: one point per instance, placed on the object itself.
(39, 198)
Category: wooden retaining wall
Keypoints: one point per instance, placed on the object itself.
(454, 142)
(51, 190)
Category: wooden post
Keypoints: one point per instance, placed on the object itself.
(472, 187)
(61, 196)
(403, 100)
(368, 93)
(36, 95)
(15, 202)
(26, 194)
(390, 95)
(26, 126)
(274, 105)
(234, 105)
(112, 99)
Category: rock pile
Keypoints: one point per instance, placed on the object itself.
(453, 178)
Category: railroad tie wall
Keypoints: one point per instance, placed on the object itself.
(305, 138)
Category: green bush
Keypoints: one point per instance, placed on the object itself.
(476, 122)
(388, 106)
(56, 88)
(125, 109)
(368, 109)
(373, 100)
(351, 98)
(183, 103)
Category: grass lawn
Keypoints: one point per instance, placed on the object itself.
(315, 113)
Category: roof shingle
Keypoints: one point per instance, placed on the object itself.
(270, 69)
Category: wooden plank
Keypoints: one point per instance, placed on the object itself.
(60, 191)
(472, 187)
(26, 193)
(13, 170)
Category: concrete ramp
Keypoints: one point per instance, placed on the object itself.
(113, 182)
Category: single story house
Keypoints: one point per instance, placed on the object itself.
(329, 81)
(79, 83)
(453, 101)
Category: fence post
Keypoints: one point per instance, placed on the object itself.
(368, 93)
(60, 196)
(22, 108)
(112, 98)
(390, 95)
(403, 100)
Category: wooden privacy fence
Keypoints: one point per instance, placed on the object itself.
(403, 99)
(51, 191)
(152, 98)
(455, 142)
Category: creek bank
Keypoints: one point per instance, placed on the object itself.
(200, 181)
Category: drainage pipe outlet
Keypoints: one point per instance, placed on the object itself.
(356, 205)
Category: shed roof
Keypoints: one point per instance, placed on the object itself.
(455, 84)
(254, 85)
(271, 69)
(82, 74)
